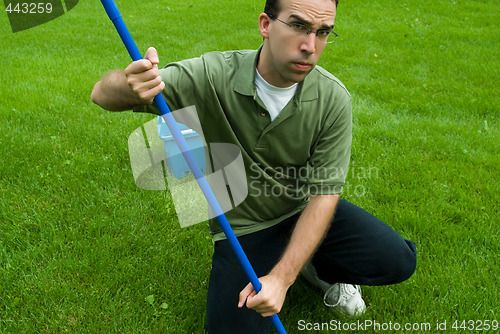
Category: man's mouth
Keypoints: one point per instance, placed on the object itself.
(302, 66)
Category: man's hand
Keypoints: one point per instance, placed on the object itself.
(120, 90)
(143, 77)
(270, 298)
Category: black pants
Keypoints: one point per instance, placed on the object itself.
(359, 249)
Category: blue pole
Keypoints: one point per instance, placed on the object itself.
(115, 17)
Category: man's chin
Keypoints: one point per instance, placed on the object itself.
(299, 76)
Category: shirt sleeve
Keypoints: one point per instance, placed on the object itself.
(329, 161)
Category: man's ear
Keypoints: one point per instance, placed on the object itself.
(264, 23)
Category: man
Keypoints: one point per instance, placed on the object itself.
(292, 122)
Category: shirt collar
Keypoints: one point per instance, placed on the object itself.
(307, 90)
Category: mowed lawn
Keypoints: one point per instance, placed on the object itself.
(83, 250)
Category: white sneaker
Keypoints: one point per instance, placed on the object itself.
(342, 297)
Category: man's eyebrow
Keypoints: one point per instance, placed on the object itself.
(309, 23)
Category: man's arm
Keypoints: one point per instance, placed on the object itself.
(306, 237)
(137, 85)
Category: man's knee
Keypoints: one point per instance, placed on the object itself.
(404, 262)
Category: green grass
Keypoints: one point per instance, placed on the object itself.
(82, 249)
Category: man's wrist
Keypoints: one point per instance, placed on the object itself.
(286, 274)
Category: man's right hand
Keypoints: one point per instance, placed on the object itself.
(143, 77)
(138, 85)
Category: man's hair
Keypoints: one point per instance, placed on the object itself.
(273, 7)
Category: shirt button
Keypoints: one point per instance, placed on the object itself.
(263, 114)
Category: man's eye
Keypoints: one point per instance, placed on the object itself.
(323, 33)
(299, 27)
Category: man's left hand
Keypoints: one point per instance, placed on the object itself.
(270, 298)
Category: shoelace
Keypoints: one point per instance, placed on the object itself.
(345, 290)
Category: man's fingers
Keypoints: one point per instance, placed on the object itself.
(146, 80)
(143, 77)
(252, 299)
(256, 301)
(148, 90)
(139, 66)
(262, 304)
(152, 56)
(265, 302)
(142, 65)
(245, 293)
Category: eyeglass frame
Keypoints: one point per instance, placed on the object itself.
(309, 30)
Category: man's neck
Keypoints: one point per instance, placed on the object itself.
(268, 73)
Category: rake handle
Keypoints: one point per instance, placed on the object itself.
(115, 16)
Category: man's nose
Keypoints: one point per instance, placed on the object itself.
(309, 43)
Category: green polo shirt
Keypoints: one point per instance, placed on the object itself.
(303, 151)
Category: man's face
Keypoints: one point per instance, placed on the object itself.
(290, 56)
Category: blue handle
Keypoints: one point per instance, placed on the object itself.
(115, 17)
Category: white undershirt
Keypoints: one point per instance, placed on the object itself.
(274, 98)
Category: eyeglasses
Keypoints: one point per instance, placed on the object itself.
(323, 35)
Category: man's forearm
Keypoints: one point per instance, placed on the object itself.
(306, 237)
(113, 92)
